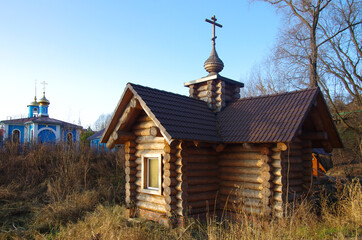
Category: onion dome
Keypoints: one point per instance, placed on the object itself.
(43, 100)
(34, 103)
(213, 64)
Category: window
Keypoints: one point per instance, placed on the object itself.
(16, 136)
(151, 173)
(69, 138)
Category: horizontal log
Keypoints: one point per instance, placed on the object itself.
(144, 125)
(150, 146)
(206, 87)
(244, 185)
(169, 182)
(202, 188)
(151, 198)
(292, 159)
(171, 200)
(202, 166)
(130, 178)
(201, 158)
(202, 196)
(139, 153)
(277, 206)
(241, 163)
(182, 186)
(242, 177)
(200, 151)
(130, 150)
(241, 155)
(181, 196)
(245, 193)
(169, 191)
(276, 163)
(130, 171)
(202, 206)
(255, 171)
(149, 139)
(168, 174)
(242, 148)
(130, 186)
(151, 206)
(120, 136)
(279, 147)
(130, 157)
(131, 164)
(201, 180)
(201, 173)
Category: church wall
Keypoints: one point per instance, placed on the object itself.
(148, 142)
(40, 126)
(245, 179)
(200, 160)
(11, 128)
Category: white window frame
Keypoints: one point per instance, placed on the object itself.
(145, 174)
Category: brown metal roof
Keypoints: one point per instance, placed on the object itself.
(272, 118)
(182, 117)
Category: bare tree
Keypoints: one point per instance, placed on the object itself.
(321, 45)
(102, 122)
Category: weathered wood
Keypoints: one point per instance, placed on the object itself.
(144, 125)
(279, 147)
(170, 191)
(202, 188)
(201, 159)
(241, 163)
(244, 185)
(202, 166)
(149, 139)
(201, 196)
(202, 173)
(168, 173)
(130, 171)
(150, 146)
(130, 178)
(131, 186)
(130, 157)
(156, 199)
(242, 177)
(139, 153)
(255, 171)
(120, 136)
(201, 180)
(248, 193)
(202, 206)
(129, 150)
(151, 206)
(241, 155)
(171, 200)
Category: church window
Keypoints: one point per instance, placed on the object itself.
(32, 135)
(16, 136)
(69, 138)
(152, 172)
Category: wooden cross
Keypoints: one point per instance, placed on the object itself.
(44, 83)
(213, 22)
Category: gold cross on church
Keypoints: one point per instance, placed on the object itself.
(214, 23)
(44, 83)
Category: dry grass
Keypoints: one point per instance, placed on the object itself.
(53, 192)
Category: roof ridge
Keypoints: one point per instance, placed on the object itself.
(164, 91)
(280, 94)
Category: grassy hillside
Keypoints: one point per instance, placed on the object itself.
(57, 192)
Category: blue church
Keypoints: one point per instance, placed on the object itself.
(38, 127)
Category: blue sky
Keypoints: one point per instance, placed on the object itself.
(87, 50)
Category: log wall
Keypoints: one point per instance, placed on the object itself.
(216, 93)
(202, 177)
(147, 141)
(245, 179)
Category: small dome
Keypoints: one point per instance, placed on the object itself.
(213, 64)
(34, 103)
(43, 100)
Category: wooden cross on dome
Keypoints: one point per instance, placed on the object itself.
(214, 23)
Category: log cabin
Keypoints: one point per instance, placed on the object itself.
(213, 151)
